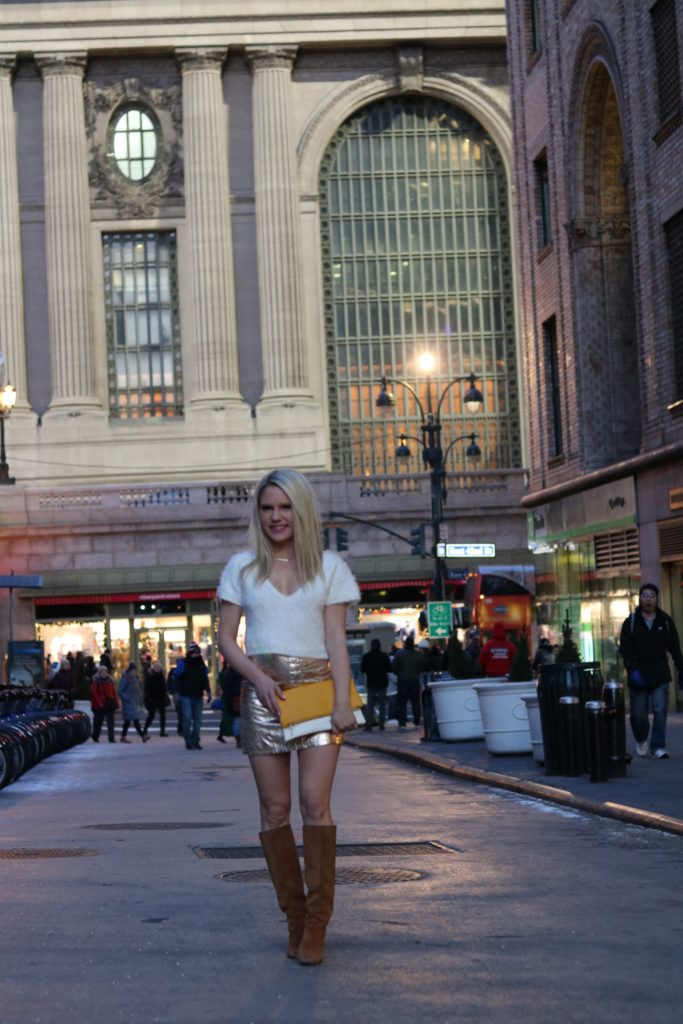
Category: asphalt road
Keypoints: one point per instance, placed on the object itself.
(525, 912)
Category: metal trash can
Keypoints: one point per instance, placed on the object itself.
(564, 679)
(597, 740)
(570, 729)
(615, 714)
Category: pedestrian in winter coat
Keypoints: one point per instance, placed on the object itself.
(646, 637)
(471, 651)
(230, 682)
(63, 679)
(456, 664)
(545, 655)
(193, 682)
(376, 665)
(497, 653)
(408, 664)
(156, 698)
(130, 695)
(104, 702)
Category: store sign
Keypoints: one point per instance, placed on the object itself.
(466, 550)
(440, 618)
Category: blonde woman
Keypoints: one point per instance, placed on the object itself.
(294, 597)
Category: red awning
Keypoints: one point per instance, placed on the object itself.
(392, 584)
(176, 595)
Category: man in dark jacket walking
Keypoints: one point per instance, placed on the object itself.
(193, 682)
(376, 665)
(408, 664)
(646, 636)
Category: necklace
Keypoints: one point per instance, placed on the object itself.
(281, 559)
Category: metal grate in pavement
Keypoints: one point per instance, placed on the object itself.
(408, 849)
(344, 876)
(155, 826)
(29, 854)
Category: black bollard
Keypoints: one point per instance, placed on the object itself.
(597, 740)
(570, 727)
(615, 714)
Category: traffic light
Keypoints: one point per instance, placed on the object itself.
(326, 538)
(417, 540)
(342, 539)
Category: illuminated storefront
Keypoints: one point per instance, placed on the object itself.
(130, 625)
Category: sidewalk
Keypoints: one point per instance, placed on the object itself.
(650, 794)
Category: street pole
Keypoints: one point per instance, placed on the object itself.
(5, 478)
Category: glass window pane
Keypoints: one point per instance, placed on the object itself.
(141, 317)
(398, 175)
(135, 143)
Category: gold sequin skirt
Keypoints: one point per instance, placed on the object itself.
(260, 729)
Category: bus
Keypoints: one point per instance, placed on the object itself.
(490, 598)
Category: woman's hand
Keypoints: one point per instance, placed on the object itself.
(268, 691)
(343, 719)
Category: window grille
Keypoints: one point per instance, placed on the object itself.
(618, 550)
(667, 59)
(416, 256)
(673, 231)
(543, 229)
(553, 383)
(533, 26)
(143, 335)
(134, 143)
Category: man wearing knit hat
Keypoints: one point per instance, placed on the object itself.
(646, 637)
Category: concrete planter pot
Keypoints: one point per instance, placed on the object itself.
(534, 713)
(504, 716)
(456, 707)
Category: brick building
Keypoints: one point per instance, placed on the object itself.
(222, 224)
(598, 126)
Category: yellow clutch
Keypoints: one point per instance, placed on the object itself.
(308, 708)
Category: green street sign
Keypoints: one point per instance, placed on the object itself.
(440, 616)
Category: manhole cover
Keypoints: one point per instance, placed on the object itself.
(416, 849)
(44, 854)
(344, 876)
(155, 826)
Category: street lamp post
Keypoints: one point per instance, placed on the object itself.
(433, 454)
(8, 397)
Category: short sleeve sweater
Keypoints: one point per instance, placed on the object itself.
(287, 623)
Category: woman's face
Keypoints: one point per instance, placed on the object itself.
(275, 513)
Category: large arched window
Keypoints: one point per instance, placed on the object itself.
(604, 304)
(416, 257)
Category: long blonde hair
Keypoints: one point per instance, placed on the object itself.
(308, 543)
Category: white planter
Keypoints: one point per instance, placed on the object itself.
(535, 730)
(504, 716)
(456, 707)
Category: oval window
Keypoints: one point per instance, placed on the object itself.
(135, 143)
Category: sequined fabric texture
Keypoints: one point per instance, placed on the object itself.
(261, 730)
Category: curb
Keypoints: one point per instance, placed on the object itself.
(617, 812)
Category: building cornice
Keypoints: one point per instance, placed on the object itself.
(629, 467)
(129, 24)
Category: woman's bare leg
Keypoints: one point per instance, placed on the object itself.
(271, 772)
(317, 766)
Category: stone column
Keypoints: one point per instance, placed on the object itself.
(278, 228)
(67, 235)
(12, 334)
(207, 210)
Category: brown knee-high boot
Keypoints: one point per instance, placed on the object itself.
(282, 859)
(320, 848)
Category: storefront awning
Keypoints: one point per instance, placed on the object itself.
(392, 584)
(176, 595)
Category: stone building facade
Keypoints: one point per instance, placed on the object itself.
(596, 102)
(220, 231)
